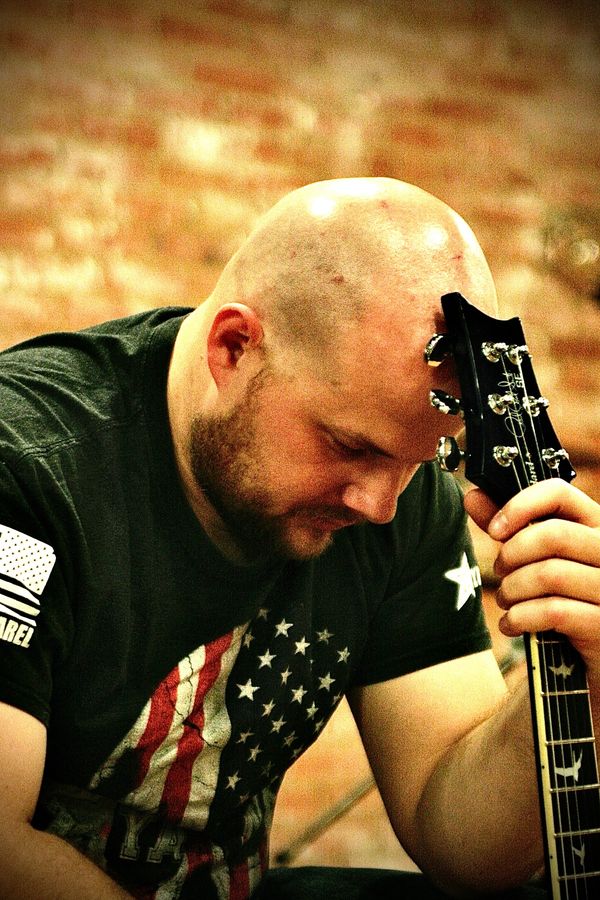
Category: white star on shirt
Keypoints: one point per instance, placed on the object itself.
(254, 751)
(268, 707)
(466, 579)
(247, 690)
(277, 725)
(298, 694)
(232, 780)
(301, 646)
(282, 628)
(343, 655)
(285, 675)
(266, 659)
(326, 682)
(324, 635)
(312, 710)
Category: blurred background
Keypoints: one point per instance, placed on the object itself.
(140, 139)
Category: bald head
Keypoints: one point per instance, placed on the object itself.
(332, 253)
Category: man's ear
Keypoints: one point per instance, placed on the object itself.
(235, 331)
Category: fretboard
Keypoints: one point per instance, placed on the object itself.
(569, 783)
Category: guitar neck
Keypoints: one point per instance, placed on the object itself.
(511, 444)
(568, 768)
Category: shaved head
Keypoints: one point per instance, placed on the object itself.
(331, 254)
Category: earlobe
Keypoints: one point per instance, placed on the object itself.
(235, 331)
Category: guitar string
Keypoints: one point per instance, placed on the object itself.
(516, 428)
(563, 723)
(530, 476)
(581, 800)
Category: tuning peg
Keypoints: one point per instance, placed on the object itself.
(553, 458)
(437, 349)
(448, 454)
(499, 403)
(533, 405)
(505, 456)
(446, 403)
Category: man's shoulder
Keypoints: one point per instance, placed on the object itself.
(59, 385)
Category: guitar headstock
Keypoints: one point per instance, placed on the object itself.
(510, 441)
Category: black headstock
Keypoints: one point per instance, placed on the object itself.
(510, 442)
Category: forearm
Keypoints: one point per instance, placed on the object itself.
(39, 866)
(478, 818)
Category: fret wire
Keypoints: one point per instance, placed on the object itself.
(578, 875)
(573, 833)
(578, 692)
(576, 788)
(586, 740)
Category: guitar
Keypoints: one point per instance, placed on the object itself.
(510, 444)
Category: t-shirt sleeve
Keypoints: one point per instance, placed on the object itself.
(35, 622)
(431, 611)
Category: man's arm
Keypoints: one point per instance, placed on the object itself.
(452, 755)
(33, 864)
(450, 748)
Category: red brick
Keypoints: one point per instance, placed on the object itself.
(207, 33)
(230, 78)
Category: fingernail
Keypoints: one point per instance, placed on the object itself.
(498, 527)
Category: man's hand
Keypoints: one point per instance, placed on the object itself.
(549, 571)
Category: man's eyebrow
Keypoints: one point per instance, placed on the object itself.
(363, 442)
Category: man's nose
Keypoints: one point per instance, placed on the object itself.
(374, 496)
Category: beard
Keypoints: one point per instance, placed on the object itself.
(226, 465)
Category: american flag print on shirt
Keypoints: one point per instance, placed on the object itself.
(25, 567)
(204, 761)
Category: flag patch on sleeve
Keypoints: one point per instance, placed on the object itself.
(25, 567)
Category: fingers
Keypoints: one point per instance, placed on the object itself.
(479, 506)
(553, 538)
(553, 498)
(550, 578)
(579, 621)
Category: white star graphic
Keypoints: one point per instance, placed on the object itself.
(262, 613)
(266, 659)
(248, 638)
(298, 694)
(343, 655)
(282, 628)
(466, 578)
(285, 675)
(324, 635)
(254, 751)
(312, 710)
(268, 708)
(232, 780)
(277, 725)
(326, 682)
(289, 740)
(244, 735)
(247, 690)
(301, 646)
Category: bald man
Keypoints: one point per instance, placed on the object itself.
(218, 522)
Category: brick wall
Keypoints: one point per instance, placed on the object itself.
(139, 140)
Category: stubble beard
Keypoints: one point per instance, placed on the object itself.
(226, 467)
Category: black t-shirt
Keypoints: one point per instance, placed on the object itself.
(177, 687)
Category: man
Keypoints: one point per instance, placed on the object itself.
(217, 522)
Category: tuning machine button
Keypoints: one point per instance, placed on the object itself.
(533, 405)
(505, 456)
(438, 349)
(499, 403)
(553, 458)
(448, 454)
(446, 403)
